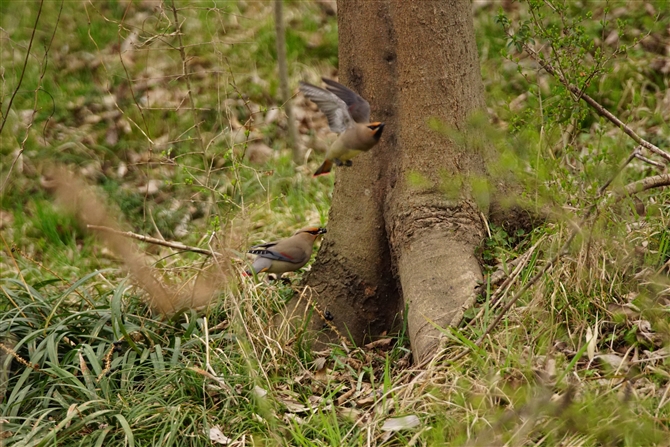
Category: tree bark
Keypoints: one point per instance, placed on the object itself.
(396, 237)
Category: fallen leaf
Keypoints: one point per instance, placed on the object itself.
(383, 343)
(351, 414)
(290, 417)
(151, 188)
(612, 360)
(321, 372)
(293, 406)
(344, 397)
(592, 341)
(217, 436)
(401, 423)
(272, 115)
(259, 153)
(259, 392)
(6, 219)
(315, 401)
(319, 363)
(628, 310)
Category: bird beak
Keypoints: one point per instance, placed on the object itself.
(321, 231)
(377, 129)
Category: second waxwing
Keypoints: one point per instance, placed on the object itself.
(349, 116)
(286, 255)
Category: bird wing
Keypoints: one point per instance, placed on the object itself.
(359, 108)
(334, 108)
(288, 254)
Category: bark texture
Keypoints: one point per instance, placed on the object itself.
(396, 239)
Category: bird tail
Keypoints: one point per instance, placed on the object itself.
(324, 168)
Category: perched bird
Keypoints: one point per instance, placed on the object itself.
(286, 255)
(348, 115)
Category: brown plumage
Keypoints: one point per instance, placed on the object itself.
(286, 255)
(348, 115)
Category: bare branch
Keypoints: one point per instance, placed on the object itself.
(649, 161)
(293, 141)
(594, 104)
(657, 181)
(553, 260)
(630, 158)
(5, 114)
(153, 240)
(23, 70)
(207, 167)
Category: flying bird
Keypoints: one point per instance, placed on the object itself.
(349, 116)
(286, 255)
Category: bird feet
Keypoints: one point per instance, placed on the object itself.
(285, 281)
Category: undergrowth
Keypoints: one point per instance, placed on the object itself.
(582, 359)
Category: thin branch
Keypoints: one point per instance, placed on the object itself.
(207, 167)
(644, 184)
(504, 275)
(298, 155)
(535, 278)
(102, 63)
(594, 104)
(551, 262)
(630, 158)
(657, 181)
(153, 240)
(649, 161)
(130, 83)
(16, 90)
(23, 70)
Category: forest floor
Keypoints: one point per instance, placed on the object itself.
(182, 136)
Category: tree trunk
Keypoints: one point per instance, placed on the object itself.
(395, 237)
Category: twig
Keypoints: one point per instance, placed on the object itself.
(550, 263)
(152, 240)
(500, 275)
(282, 66)
(602, 189)
(519, 264)
(594, 104)
(5, 114)
(649, 161)
(207, 167)
(145, 131)
(311, 304)
(23, 70)
(657, 181)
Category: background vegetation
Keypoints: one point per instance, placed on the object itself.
(173, 113)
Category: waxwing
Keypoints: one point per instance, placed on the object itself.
(348, 115)
(286, 255)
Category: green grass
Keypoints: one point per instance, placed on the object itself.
(110, 371)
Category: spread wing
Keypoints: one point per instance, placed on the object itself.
(271, 251)
(359, 108)
(334, 108)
